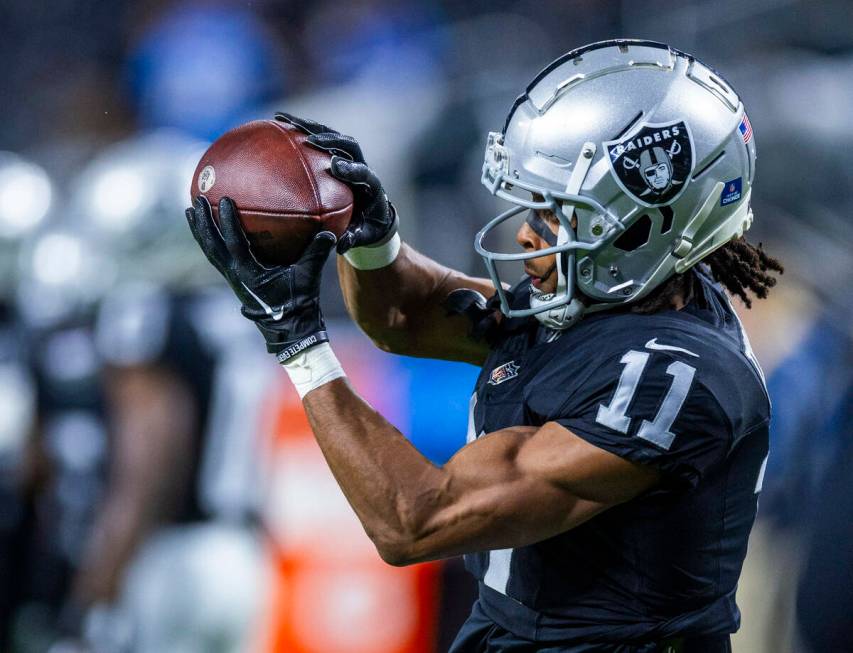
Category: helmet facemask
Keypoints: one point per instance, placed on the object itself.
(564, 307)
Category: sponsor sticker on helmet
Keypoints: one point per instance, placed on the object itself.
(731, 191)
(653, 163)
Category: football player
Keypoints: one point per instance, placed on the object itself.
(619, 427)
(130, 377)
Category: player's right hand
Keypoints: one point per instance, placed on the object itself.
(374, 219)
(282, 301)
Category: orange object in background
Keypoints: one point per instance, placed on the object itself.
(331, 592)
(348, 608)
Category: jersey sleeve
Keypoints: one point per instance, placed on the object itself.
(143, 325)
(132, 325)
(652, 408)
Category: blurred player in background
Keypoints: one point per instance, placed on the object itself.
(619, 428)
(182, 497)
(20, 214)
(137, 500)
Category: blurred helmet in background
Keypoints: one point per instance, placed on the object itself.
(61, 276)
(130, 202)
(26, 197)
(648, 149)
(124, 223)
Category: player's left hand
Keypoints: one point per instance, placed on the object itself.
(374, 219)
(283, 301)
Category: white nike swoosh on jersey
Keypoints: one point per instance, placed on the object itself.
(652, 344)
(275, 315)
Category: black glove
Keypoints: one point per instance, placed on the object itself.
(374, 219)
(484, 315)
(283, 301)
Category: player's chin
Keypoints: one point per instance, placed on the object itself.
(546, 284)
(547, 287)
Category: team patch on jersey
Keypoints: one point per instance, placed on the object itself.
(731, 192)
(503, 373)
(653, 164)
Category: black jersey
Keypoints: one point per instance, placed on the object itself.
(198, 337)
(677, 390)
(202, 339)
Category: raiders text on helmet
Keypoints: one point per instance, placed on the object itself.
(643, 145)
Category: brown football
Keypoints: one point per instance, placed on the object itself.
(281, 187)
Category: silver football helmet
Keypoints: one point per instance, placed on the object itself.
(27, 195)
(131, 198)
(643, 153)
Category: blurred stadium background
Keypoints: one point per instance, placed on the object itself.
(159, 488)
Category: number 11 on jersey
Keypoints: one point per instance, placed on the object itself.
(658, 430)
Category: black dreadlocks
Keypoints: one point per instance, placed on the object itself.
(738, 266)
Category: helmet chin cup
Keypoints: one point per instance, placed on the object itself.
(559, 318)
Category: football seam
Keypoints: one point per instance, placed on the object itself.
(295, 214)
(308, 174)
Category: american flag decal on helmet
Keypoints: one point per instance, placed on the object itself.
(745, 129)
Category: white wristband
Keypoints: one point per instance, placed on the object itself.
(373, 258)
(312, 368)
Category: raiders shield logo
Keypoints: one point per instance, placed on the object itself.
(653, 163)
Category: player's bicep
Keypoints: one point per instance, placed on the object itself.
(522, 485)
(588, 472)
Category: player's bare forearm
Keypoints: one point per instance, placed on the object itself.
(382, 475)
(153, 417)
(400, 307)
(510, 488)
